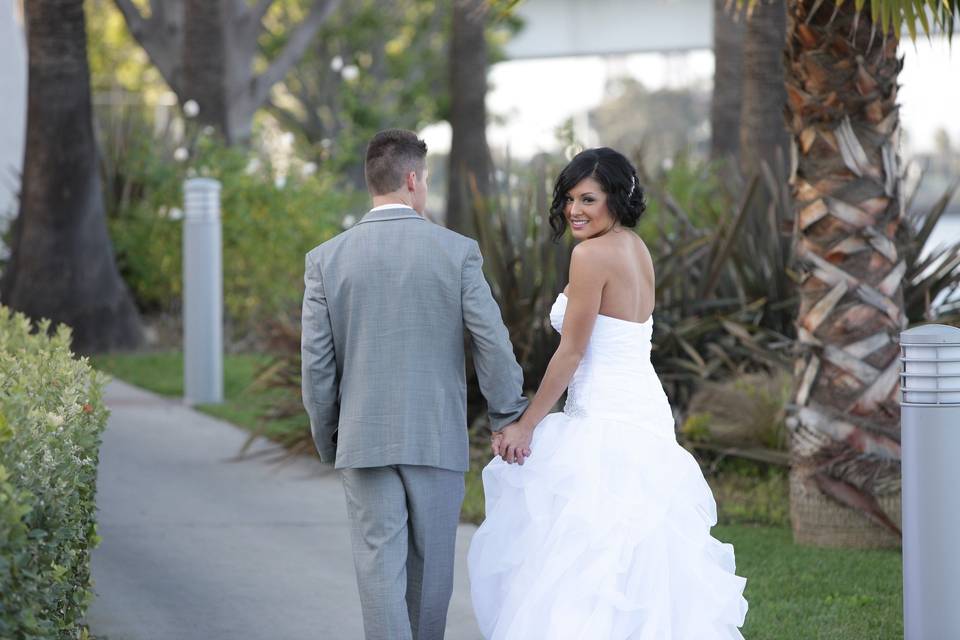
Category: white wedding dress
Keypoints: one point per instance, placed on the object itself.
(604, 532)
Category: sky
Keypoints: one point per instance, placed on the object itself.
(533, 97)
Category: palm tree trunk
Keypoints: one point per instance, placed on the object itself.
(62, 265)
(470, 165)
(845, 428)
(763, 135)
(727, 83)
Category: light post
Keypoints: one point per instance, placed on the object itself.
(930, 449)
(202, 292)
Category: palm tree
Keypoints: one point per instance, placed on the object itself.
(727, 82)
(763, 135)
(62, 264)
(841, 81)
(470, 169)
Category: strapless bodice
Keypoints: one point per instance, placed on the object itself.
(615, 378)
(607, 328)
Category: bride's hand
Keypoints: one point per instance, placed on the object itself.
(514, 444)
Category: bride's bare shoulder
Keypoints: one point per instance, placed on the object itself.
(589, 265)
(591, 254)
(638, 241)
(644, 252)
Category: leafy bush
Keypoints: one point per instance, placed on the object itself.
(51, 418)
(932, 280)
(725, 294)
(525, 268)
(750, 493)
(270, 218)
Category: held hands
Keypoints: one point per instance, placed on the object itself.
(512, 443)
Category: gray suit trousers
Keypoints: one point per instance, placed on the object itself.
(403, 522)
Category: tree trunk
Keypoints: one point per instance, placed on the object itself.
(470, 164)
(763, 135)
(216, 41)
(727, 83)
(204, 63)
(62, 265)
(845, 430)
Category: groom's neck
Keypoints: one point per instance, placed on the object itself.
(389, 198)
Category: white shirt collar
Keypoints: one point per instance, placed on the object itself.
(392, 205)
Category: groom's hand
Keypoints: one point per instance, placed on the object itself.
(495, 442)
(514, 443)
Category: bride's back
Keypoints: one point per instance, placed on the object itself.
(628, 293)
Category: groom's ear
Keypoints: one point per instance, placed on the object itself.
(411, 181)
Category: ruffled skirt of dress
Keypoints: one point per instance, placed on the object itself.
(603, 534)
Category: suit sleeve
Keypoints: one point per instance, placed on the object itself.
(501, 378)
(319, 373)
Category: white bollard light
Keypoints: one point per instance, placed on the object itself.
(930, 439)
(202, 293)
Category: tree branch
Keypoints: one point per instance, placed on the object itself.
(134, 19)
(158, 9)
(259, 11)
(249, 18)
(289, 119)
(159, 36)
(295, 48)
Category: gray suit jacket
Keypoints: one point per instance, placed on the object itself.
(384, 313)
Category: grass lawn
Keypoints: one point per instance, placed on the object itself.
(162, 373)
(806, 593)
(795, 593)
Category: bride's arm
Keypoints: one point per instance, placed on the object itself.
(587, 279)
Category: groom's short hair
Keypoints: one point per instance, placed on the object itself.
(391, 155)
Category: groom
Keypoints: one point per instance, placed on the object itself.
(385, 310)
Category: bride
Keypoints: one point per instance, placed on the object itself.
(598, 521)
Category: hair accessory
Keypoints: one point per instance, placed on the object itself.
(633, 185)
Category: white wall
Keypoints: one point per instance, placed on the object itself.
(13, 105)
(559, 28)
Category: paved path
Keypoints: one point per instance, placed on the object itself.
(196, 546)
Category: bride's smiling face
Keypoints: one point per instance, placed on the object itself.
(586, 210)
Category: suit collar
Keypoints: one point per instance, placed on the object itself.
(399, 213)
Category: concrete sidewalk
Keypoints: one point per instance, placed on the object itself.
(197, 546)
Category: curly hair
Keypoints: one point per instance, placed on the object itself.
(626, 200)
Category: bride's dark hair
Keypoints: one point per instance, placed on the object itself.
(617, 177)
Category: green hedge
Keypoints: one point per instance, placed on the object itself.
(51, 418)
(267, 228)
